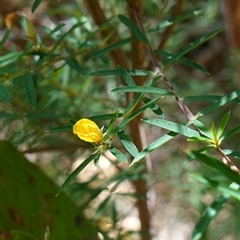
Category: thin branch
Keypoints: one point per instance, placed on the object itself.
(159, 73)
(226, 160)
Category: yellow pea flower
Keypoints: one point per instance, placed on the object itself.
(88, 130)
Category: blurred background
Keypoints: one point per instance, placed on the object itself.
(107, 196)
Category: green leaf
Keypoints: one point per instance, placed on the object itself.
(4, 39)
(133, 104)
(110, 72)
(78, 170)
(73, 63)
(35, 5)
(223, 125)
(57, 28)
(29, 29)
(142, 89)
(112, 47)
(126, 76)
(133, 115)
(206, 98)
(30, 89)
(136, 31)
(104, 117)
(177, 19)
(214, 134)
(155, 108)
(219, 103)
(229, 152)
(127, 143)
(154, 145)
(32, 199)
(216, 164)
(202, 129)
(230, 134)
(120, 156)
(182, 60)
(61, 128)
(60, 39)
(218, 185)
(101, 207)
(210, 213)
(9, 58)
(172, 126)
(193, 45)
(111, 125)
(4, 94)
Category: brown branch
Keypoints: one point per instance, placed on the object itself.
(231, 12)
(137, 63)
(99, 18)
(226, 160)
(138, 55)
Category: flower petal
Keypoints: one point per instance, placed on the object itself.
(87, 130)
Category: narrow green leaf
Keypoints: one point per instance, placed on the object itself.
(5, 38)
(155, 108)
(218, 185)
(182, 60)
(154, 145)
(135, 30)
(214, 133)
(9, 58)
(104, 117)
(229, 152)
(73, 63)
(177, 19)
(133, 115)
(120, 156)
(126, 76)
(30, 89)
(101, 207)
(35, 5)
(223, 125)
(136, 72)
(172, 126)
(59, 40)
(210, 213)
(216, 164)
(133, 104)
(207, 98)
(219, 103)
(127, 143)
(57, 28)
(193, 45)
(61, 128)
(105, 60)
(202, 129)
(117, 73)
(111, 125)
(29, 29)
(4, 94)
(78, 170)
(230, 134)
(142, 89)
(112, 47)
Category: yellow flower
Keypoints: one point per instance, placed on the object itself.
(88, 130)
